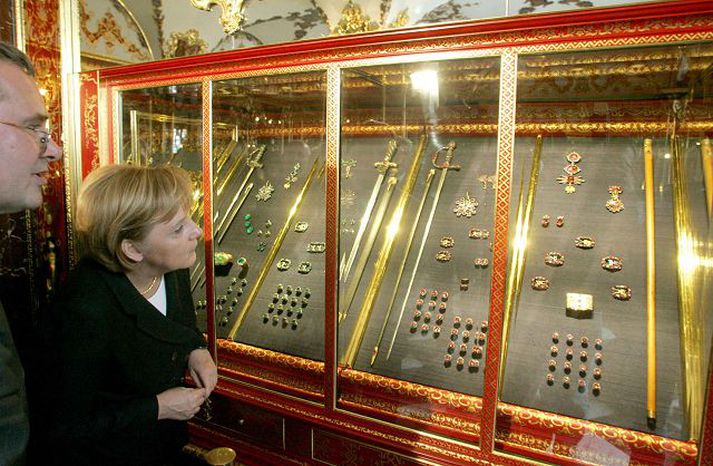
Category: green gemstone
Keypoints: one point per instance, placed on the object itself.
(249, 230)
(248, 216)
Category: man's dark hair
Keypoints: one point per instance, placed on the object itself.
(10, 53)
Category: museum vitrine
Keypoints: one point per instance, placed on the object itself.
(458, 243)
(608, 308)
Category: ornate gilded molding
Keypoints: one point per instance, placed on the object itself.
(440, 447)
(354, 20)
(109, 30)
(385, 409)
(184, 44)
(629, 439)
(239, 351)
(403, 389)
(232, 12)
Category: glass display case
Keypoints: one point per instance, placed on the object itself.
(461, 243)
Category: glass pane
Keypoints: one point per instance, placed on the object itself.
(612, 318)
(417, 192)
(269, 208)
(163, 126)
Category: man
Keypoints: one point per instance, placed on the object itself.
(25, 152)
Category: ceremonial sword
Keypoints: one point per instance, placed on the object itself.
(368, 246)
(382, 167)
(429, 178)
(253, 162)
(449, 149)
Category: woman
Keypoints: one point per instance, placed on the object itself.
(127, 326)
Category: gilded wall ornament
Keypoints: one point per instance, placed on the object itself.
(354, 20)
(231, 17)
(184, 44)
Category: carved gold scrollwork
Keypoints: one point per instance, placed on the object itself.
(232, 16)
(354, 20)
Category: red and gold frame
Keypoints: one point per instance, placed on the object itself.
(313, 385)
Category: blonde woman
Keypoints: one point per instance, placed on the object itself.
(126, 323)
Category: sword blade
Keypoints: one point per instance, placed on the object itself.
(429, 179)
(368, 246)
(362, 226)
(431, 214)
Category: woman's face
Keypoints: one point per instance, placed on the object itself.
(171, 245)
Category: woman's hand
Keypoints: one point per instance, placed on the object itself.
(203, 370)
(180, 403)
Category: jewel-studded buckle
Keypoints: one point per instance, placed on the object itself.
(612, 263)
(304, 267)
(283, 264)
(540, 283)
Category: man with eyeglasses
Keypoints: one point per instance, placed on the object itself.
(26, 149)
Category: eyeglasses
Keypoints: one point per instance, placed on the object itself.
(42, 134)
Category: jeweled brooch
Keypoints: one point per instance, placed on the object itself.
(466, 206)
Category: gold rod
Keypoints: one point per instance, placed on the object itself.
(409, 242)
(134, 130)
(517, 265)
(690, 317)
(224, 155)
(270, 258)
(379, 215)
(382, 262)
(707, 163)
(650, 285)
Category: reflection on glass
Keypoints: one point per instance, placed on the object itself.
(418, 155)
(608, 311)
(163, 126)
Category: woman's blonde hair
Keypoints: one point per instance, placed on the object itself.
(119, 202)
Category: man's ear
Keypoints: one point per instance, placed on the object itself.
(131, 251)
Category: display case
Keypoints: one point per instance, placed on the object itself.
(484, 242)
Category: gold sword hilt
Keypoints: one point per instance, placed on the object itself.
(255, 157)
(386, 164)
(448, 149)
